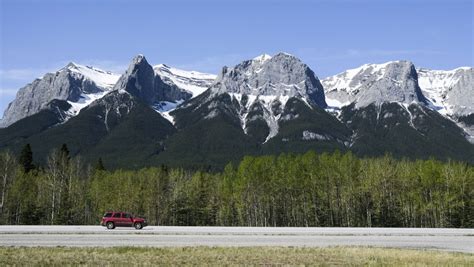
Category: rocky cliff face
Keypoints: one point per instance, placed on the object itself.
(282, 75)
(139, 81)
(74, 83)
(161, 86)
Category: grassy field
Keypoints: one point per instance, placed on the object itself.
(231, 256)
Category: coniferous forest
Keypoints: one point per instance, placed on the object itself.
(286, 190)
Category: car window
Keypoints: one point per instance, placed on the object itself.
(117, 215)
(108, 214)
(126, 215)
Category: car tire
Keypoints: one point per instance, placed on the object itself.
(138, 226)
(110, 225)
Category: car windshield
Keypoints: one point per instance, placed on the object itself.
(108, 214)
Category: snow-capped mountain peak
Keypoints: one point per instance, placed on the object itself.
(262, 86)
(104, 80)
(393, 81)
(77, 84)
(101, 78)
(137, 59)
(262, 58)
(279, 75)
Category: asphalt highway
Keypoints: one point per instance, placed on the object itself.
(461, 240)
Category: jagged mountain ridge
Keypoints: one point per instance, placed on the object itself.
(81, 85)
(450, 93)
(269, 104)
(141, 81)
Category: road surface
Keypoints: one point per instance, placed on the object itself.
(461, 240)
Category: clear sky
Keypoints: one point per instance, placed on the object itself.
(330, 36)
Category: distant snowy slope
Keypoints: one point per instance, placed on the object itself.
(192, 81)
(341, 89)
(351, 80)
(451, 92)
(393, 81)
(101, 78)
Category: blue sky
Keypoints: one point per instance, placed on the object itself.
(330, 36)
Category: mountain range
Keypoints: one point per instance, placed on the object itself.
(152, 115)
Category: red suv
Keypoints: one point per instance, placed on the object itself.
(112, 219)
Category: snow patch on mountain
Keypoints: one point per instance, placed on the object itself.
(309, 135)
(258, 62)
(334, 103)
(103, 79)
(406, 107)
(468, 131)
(84, 101)
(262, 58)
(267, 103)
(166, 107)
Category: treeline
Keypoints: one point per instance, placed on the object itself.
(286, 190)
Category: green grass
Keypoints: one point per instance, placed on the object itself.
(231, 256)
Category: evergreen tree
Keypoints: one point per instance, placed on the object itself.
(26, 158)
(64, 152)
(99, 166)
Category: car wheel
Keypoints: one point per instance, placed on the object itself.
(110, 225)
(138, 226)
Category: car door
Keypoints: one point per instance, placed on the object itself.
(127, 219)
(117, 219)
